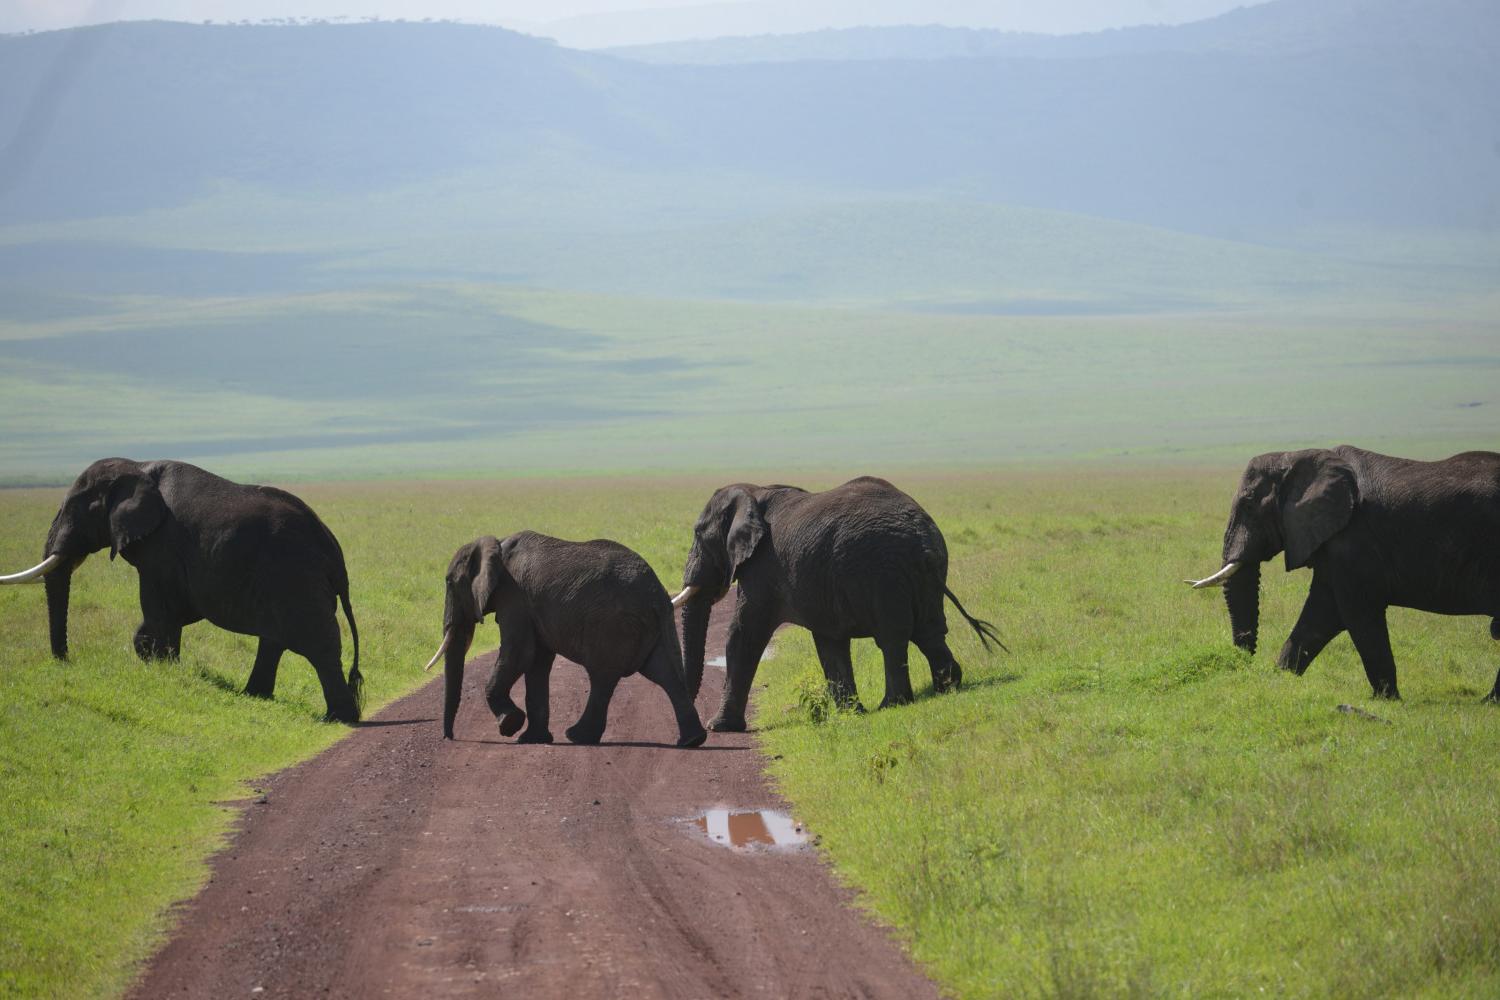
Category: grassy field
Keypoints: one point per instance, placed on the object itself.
(1127, 806)
(478, 379)
(1122, 805)
(471, 328)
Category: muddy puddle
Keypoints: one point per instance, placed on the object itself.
(756, 828)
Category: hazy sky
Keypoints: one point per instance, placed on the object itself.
(594, 23)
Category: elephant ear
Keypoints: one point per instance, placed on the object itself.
(489, 570)
(1317, 501)
(746, 529)
(135, 510)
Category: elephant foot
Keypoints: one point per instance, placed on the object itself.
(951, 682)
(511, 723)
(535, 736)
(724, 723)
(584, 735)
(695, 739)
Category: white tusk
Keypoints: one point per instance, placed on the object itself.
(686, 593)
(442, 648)
(36, 572)
(1218, 579)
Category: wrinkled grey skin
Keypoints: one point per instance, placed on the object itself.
(1377, 532)
(250, 559)
(596, 603)
(857, 561)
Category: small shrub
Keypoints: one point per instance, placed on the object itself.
(814, 701)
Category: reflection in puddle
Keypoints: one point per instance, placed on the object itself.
(764, 828)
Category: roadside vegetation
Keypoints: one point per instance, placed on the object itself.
(1123, 805)
(1128, 806)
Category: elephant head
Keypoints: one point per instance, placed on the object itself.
(1288, 502)
(476, 579)
(724, 537)
(113, 504)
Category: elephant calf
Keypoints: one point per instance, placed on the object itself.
(251, 559)
(597, 603)
(1377, 532)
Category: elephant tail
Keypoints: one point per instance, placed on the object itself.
(356, 679)
(982, 628)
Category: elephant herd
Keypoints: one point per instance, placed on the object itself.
(859, 560)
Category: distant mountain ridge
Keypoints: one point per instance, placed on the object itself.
(1280, 26)
(1393, 126)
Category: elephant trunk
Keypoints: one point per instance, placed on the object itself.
(1242, 596)
(458, 638)
(695, 612)
(58, 583)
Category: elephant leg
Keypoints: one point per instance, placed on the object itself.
(538, 697)
(658, 669)
(157, 641)
(1373, 640)
(159, 636)
(897, 673)
(749, 634)
(508, 670)
(589, 729)
(324, 652)
(838, 669)
(1494, 695)
(262, 682)
(947, 675)
(1316, 627)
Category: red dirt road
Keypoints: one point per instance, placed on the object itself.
(397, 865)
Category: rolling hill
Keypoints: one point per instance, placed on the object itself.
(1385, 129)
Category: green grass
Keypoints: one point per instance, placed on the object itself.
(1125, 805)
(113, 773)
(477, 379)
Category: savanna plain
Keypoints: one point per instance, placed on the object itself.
(1121, 805)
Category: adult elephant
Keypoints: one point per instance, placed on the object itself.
(1377, 532)
(597, 603)
(250, 559)
(860, 560)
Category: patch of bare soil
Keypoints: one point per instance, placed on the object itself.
(397, 865)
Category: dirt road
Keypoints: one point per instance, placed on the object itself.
(397, 865)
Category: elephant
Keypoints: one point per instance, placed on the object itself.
(597, 603)
(250, 559)
(1377, 532)
(860, 560)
